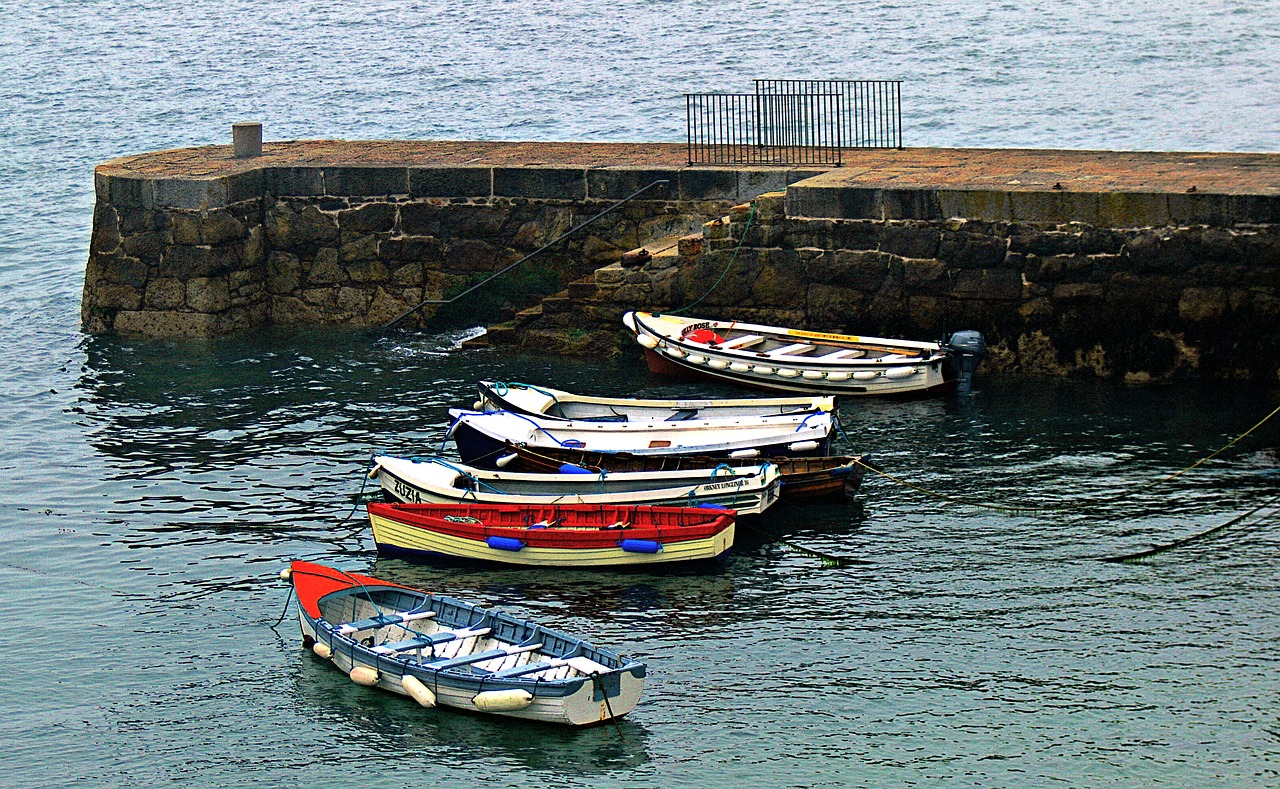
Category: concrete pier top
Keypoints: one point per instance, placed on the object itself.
(912, 168)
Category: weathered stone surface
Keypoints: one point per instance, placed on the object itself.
(219, 227)
(1202, 304)
(190, 262)
(367, 271)
(289, 229)
(359, 250)
(117, 297)
(326, 269)
(165, 294)
(106, 230)
(166, 323)
(366, 181)
(185, 227)
(120, 269)
(368, 218)
(545, 183)
(1000, 284)
(145, 246)
(284, 272)
(208, 294)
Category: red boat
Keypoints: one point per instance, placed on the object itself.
(568, 535)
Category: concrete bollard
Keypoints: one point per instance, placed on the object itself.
(247, 139)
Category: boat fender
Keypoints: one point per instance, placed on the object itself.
(629, 320)
(322, 650)
(787, 372)
(744, 453)
(503, 700)
(717, 364)
(763, 369)
(505, 460)
(864, 375)
(417, 691)
(570, 468)
(647, 341)
(504, 543)
(900, 372)
(373, 472)
(802, 446)
(814, 375)
(477, 405)
(364, 675)
(696, 359)
(838, 376)
(676, 352)
(640, 546)
(286, 574)
(739, 367)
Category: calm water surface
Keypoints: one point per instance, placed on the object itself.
(153, 490)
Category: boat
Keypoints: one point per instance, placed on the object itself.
(443, 652)
(792, 360)
(570, 535)
(800, 478)
(548, 403)
(749, 490)
(482, 436)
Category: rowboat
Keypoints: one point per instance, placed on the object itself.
(749, 489)
(443, 652)
(800, 478)
(481, 437)
(792, 360)
(555, 536)
(548, 403)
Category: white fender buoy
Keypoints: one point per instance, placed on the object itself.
(744, 453)
(900, 372)
(477, 405)
(629, 320)
(802, 446)
(696, 359)
(838, 376)
(286, 574)
(322, 650)
(676, 352)
(503, 700)
(739, 367)
(647, 340)
(814, 375)
(505, 460)
(865, 375)
(763, 369)
(373, 472)
(417, 691)
(787, 372)
(364, 675)
(717, 364)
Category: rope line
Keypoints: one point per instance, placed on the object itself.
(1138, 556)
(750, 218)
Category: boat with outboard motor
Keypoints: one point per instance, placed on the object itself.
(443, 652)
(793, 360)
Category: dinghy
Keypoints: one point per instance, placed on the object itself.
(548, 403)
(443, 652)
(792, 360)
(749, 490)
(556, 536)
(800, 478)
(481, 437)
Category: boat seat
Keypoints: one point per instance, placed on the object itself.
(426, 640)
(790, 350)
(382, 620)
(682, 415)
(843, 353)
(480, 657)
(529, 668)
(587, 665)
(744, 341)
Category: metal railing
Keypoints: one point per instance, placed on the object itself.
(763, 128)
(871, 109)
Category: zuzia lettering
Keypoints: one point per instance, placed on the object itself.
(405, 491)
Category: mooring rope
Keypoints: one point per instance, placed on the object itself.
(1159, 549)
(750, 218)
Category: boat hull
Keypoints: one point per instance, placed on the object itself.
(684, 536)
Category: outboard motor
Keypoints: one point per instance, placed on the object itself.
(967, 349)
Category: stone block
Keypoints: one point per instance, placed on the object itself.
(922, 273)
(294, 181)
(132, 193)
(366, 181)
(987, 204)
(999, 284)
(753, 182)
(189, 262)
(962, 249)
(468, 256)
(610, 275)
(326, 269)
(1057, 268)
(249, 185)
(689, 246)
(1032, 241)
(833, 202)
(165, 293)
(771, 206)
(707, 184)
(191, 193)
(1202, 304)
(411, 275)
(368, 218)
(715, 229)
(359, 249)
(368, 271)
(146, 247)
(1251, 209)
(219, 227)
(353, 300)
(422, 249)
(137, 220)
(910, 204)
(208, 294)
(167, 323)
(450, 181)
(289, 229)
(117, 297)
(120, 269)
(1199, 209)
(910, 240)
(1078, 291)
(1053, 206)
(617, 183)
(184, 227)
(291, 310)
(388, 304)
(546, 183)
(1132, 209)
(284, 272)
(239, 280)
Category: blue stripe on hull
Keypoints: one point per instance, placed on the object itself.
(445, 560)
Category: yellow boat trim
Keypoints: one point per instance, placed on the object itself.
(815, 335)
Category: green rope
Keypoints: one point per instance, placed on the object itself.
(1130, 558)
(750, 218)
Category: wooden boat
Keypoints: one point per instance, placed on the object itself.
(800, 478)
(556, 536)
(550, 403)
(443, 652)
(481, 437)
(792, 360)
(749, 489)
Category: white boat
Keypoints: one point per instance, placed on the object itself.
(548, 403)
(749, 490)
(482, 438)
(793, 360)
